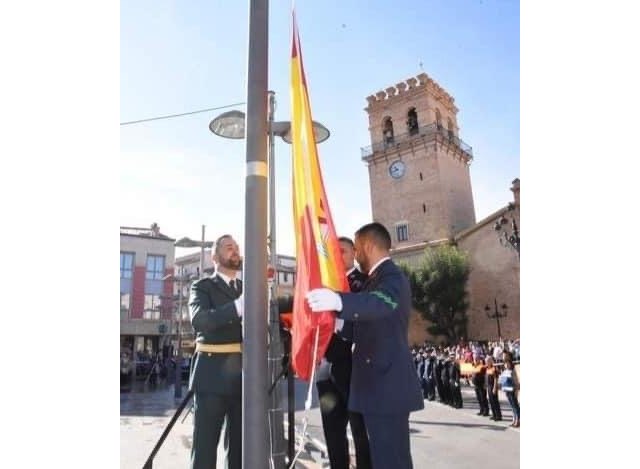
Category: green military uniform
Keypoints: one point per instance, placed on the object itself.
(216, 377)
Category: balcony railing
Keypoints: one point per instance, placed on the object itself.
(428, 132)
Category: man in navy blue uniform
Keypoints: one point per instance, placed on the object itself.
(384, 384)
(334, 376)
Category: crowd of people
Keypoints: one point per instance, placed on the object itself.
(488, 367)
(149, 367)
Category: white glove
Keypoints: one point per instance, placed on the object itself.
(239, 302)
(323, 299)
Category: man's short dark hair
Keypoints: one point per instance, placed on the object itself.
(344, 239)
(377, 233)
(219, 242)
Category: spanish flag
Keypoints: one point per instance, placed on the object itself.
(319, 261)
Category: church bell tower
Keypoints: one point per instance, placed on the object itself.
(418, 166)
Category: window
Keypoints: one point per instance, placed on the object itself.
(438, 119)
(150, 314)
(387, 130)
(424, 208)
(126, 264)
(402, 232)
(450, 129)
(152, 302)
(155, 267)
(421, 176)
(412, 121)
(125, 302)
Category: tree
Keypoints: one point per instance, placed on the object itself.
(438, 290)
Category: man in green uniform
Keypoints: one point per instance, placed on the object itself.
(216, 305)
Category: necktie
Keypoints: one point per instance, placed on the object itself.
(236, 287)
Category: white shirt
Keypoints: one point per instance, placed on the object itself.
(228, 279)
(224, 277)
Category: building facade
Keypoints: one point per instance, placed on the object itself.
(494, 280)
(146, 267)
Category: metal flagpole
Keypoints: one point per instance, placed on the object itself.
(255, 447)
(276, 423)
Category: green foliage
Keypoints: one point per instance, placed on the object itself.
(438, 290)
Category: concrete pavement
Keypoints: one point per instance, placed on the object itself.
(441, 437)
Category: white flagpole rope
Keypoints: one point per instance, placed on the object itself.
(307, 402)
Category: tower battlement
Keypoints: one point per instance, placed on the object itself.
(408, 89)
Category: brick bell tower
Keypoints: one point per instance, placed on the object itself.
(418, 166)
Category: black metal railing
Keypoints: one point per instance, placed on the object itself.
(427, 131)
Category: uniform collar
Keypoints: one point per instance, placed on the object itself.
(375, 266)
(224, 277)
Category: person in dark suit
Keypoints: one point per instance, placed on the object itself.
(429, 376)
(216, 305)
(420, 365)
(454, 382)
(438, 376)
(333, 383)
(384, 384)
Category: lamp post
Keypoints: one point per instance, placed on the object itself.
(186, 243)
(231, 124)
(190, 243)
(496, 314)
(177, 392)
(508, 240)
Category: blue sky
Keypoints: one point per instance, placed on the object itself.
(183, 56)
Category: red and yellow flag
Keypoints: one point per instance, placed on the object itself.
(319, 261)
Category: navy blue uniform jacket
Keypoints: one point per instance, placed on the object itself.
(383, 377)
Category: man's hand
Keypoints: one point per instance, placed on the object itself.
(239, 302)
(323, 299)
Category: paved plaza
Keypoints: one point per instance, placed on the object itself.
(441, 437)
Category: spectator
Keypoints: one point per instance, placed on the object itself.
(492, 389)
(454, 383)
(429, 376)
(479, 383)
(497, 352)
(510, 385)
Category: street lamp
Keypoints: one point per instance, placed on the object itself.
(231, 124)
(190, 243)
(509, 240)
(496, 314)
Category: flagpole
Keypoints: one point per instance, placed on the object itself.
(276, 422)
(255, 447)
